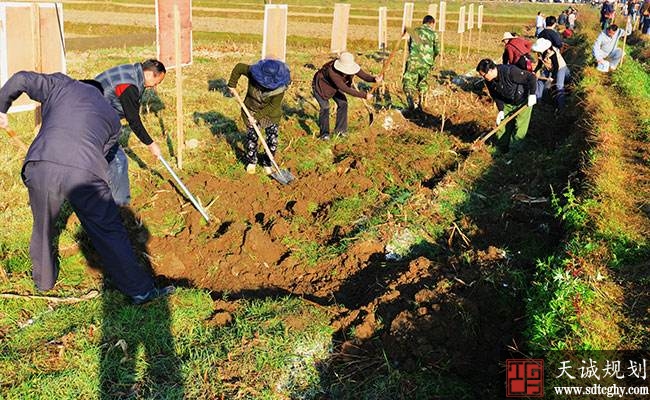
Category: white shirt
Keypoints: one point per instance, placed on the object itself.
(604, 44)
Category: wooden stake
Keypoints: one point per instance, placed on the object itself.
(479, 24)
(461, 30)
(382, 34)
(624, 40)
(407, 22)
(442, 21)
(470, 26)
(38, 61)
(180, 134)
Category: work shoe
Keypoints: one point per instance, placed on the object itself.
(153, 294)
(250, 168)
(341, 134)
(268, 170)
(325, 136)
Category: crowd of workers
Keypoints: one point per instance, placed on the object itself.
(76, 155)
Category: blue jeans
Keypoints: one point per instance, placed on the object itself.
(645, 28)
(118, 178)
(559, 96)
(614, 57)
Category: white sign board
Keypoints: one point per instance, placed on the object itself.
(274, 42)
(383, 28)
(432, 10)
(407, 17)
(461, 20)
(470, 17)
(443, 16)
(31, 38)
(340, 28)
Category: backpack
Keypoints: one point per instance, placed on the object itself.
(525, 62)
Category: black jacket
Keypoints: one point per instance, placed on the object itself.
(512, 85)
(79, 124)
(553, 36)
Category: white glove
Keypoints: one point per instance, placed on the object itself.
(532, 100)
(500, 117)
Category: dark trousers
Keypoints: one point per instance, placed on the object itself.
(49, 184)
(324, 115)
(252, 154)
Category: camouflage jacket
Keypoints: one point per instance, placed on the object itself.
(423, 46)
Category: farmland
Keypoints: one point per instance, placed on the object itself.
(400, 263)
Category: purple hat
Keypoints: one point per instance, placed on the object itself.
(271, 74)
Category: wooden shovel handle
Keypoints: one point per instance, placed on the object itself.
(503, 123)
(12, 134)
(386, 63)
(257, 129)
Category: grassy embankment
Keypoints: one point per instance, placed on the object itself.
(592, 295)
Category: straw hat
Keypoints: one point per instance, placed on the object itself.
(541, 45)
(270, 73)
(346, 64)
(507, 36)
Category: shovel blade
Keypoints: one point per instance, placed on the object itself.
(284, 176)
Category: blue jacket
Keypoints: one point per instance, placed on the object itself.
(79, 124)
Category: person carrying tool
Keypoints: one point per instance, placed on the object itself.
(423, 50)
(517, 51)
(268, 81)
(511, 88)
(124, 86)
(605, 51)
(551, 71)
(332, 81)
(67, 161)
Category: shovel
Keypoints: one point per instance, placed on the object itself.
(185, 190)
(16, 139)
(481, 139)
(281, 175)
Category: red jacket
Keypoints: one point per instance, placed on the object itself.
(515, 48)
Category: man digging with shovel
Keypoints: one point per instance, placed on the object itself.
(268, 80)
(423, 50)
(513, 91)
(124, 86)
(67, 161)
(334, 81)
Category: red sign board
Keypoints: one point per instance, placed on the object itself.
(166, 33)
